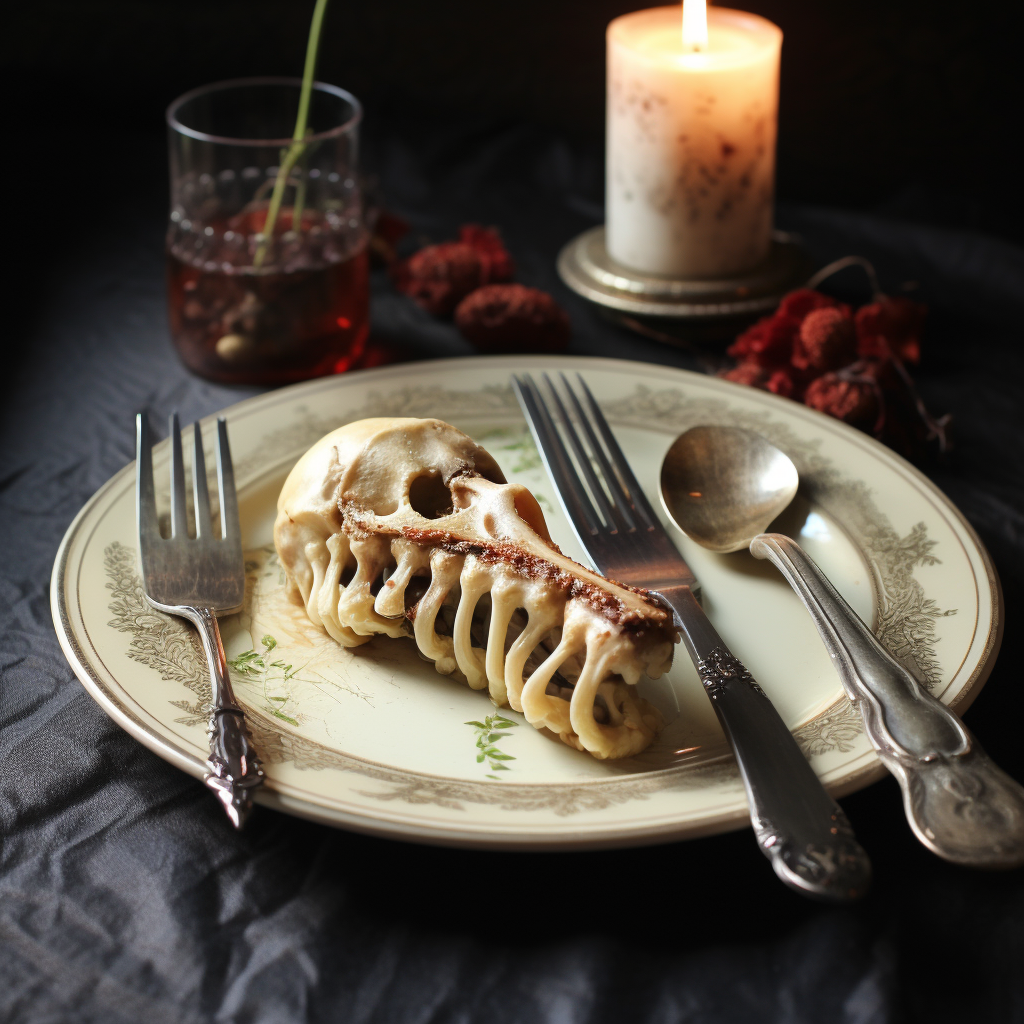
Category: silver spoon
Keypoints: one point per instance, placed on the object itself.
(723, 486)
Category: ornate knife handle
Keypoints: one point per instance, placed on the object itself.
(959, 804)
(234, 769)
(798, 826)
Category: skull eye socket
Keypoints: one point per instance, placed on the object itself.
(430, 498)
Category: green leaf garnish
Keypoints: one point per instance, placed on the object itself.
(486, 738)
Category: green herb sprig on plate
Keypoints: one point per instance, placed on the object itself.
(488, 733)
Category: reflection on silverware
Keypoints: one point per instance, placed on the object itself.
(798, 826)
(723, 486)
(196, 579)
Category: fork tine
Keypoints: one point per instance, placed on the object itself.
(622, 470)
(145, 493)
(230, 529)
(567, 482)
(200, 491)
(611, 510)
(619, 497)
(619, 492)
(179, 522)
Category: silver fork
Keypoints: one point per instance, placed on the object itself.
(799, 827)
(197, 579)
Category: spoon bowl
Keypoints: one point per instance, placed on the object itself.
(724, 485)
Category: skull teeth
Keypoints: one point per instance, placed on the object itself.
(594, 713)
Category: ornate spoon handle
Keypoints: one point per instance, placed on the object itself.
(234, 769)
(959, 804)
(798, 826)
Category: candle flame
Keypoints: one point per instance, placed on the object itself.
(695, 25)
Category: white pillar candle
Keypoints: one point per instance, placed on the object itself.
(691, 142)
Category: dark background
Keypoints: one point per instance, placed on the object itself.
(123, 896)
(910, 106)
(907, 109)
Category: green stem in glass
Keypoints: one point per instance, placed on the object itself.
(298, 146)
(300, 189)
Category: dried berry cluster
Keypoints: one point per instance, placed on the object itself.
(471, 280)
(851, 365)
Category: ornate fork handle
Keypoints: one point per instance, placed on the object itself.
(959, 804)
(798, 826)
(234, 767)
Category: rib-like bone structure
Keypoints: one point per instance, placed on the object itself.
(407, 527)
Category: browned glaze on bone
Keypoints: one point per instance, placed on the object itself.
(531, 567)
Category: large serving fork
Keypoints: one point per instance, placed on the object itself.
(197, 578)
(799, 827)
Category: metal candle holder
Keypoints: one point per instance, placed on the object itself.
(586, 267)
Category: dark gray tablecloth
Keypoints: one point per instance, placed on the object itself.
(124, 896)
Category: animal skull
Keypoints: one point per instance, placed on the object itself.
(407, 526)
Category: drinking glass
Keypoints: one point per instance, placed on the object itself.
(247, 306)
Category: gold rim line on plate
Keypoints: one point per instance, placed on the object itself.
(498, 401)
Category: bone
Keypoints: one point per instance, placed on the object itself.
(623, 738)
(356, 603)
(606, 696)
(538, 626)
(552, 712)
(521, 619)
(581, 707)
(505, 598)
(444, 575)
(330, 591)
(410, 558)
(475, 581)
(318, 559)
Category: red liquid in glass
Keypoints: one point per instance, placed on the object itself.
(305, 315)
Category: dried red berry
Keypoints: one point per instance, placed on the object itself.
(803, 301)
(439, 277)
(782, 382)
(813, 349)
(854, 401)
(769, 342)
(827, 340)
(497, 263)
(890, 327)
(512, 318)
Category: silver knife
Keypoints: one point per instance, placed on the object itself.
(798, 826)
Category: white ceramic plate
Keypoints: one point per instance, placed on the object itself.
(374, 739)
